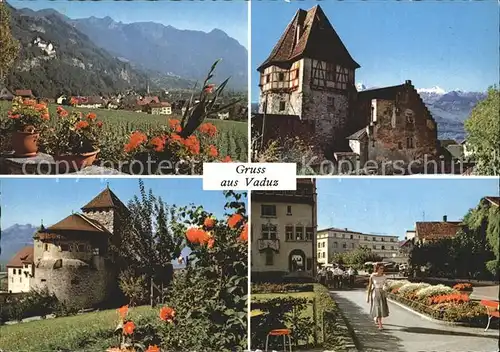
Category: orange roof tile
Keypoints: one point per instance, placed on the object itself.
(437, 229)
(24, 256)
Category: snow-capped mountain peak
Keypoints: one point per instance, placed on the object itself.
(434, 90)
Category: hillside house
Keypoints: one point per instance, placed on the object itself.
(223, 115)
(90, 102)
(144, 101)
(162, 108)
(310, 74)
(20, 271)
(25, 93)
(6, 94)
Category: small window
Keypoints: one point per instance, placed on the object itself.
(309, 234)
(289, 210)
(21, 279)
(374, 247)
(392, 247)
(409, 142)
(374, 239)
(344, 245)
(289, 233)
(268, 210)
(335, 244)
(281, 76)
(400, 145)
(299, 233)
(269, 257)
(267, 78)
(43, 280)
(46, 247)
(382, 239)
(352, 237)
(282, 106)
(383, 247)
(75, 281)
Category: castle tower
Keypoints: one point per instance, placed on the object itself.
(311, 74)
(71, 256)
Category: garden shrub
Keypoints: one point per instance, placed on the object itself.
(281, 288)
(31, 304)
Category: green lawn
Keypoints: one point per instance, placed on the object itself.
(85, 332)
(231, 140)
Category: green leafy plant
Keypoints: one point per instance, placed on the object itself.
(74, 133)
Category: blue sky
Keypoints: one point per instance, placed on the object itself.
(28, 201)
(229, 16)
(392, 206)
(450, 44)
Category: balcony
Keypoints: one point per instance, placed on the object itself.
(272, 244)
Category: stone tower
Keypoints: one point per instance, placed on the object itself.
(71, 257)
(310, 74)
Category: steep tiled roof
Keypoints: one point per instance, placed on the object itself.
(24, 93)
(437, 229)
(104, 200)
(317, 39)
(77, 222)
(24, 256)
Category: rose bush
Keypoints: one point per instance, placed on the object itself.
(205, 307)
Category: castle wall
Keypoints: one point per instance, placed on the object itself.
(76, 285)
(105, 218)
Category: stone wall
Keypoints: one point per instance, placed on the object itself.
(404, 130)
(283, 127)
(74, 282)
(105, 218)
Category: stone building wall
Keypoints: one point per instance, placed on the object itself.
(403, 130)
(73, 282)
(105, 218)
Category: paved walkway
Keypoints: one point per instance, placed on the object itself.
(407, 332)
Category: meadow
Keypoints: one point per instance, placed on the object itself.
(232, 137)
(83, 332)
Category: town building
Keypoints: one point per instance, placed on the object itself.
(72, 257)
(283, 231)
(428, 231)
(335, 240)
(89, 102)
(162, 108)
(20, 271)
(24, 93)
(307, 90)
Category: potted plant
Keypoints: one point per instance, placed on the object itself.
(74, 142)
(27, 119)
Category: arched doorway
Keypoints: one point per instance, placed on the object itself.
(297, 260)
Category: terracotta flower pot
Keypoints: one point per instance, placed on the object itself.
(71, 162)
(25, 144)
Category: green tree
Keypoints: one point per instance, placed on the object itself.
(9, 46)
(483, 129)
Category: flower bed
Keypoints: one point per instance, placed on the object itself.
(438, 301)
(281, 288)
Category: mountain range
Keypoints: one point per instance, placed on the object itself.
(449, 109)
(94, 56)
(14, 238)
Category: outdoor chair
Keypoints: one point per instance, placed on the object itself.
(280, 332)
(491, 309)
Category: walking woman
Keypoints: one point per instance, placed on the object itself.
(376, 295)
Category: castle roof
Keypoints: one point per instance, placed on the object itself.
(310, 35)
(104, 200)
(494, 200)
(77, 222)
(24, 256)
